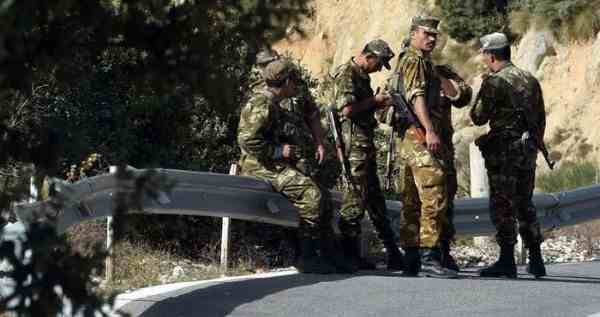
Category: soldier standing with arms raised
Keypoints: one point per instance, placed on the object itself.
(511, 101)
(355, 100)
(423, 153)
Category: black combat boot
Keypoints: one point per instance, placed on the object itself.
(332, 251)
(395, 259)
(505, 266)
(536, 262)
(351, 247)
(447, 259)
(412, 261)
(431, 264)
(309, 261)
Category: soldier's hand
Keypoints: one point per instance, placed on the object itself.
(383, 100)
(320, 154)
(433, 141)
(289, 151)
(448, 88)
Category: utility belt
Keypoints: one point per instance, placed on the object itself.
(506, 141)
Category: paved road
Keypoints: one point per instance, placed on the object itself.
(569, 290)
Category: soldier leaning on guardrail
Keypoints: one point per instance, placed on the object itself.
(354, 99)
(511, 101)
(423, 153)
(284, 148)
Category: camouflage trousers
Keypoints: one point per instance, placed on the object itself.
(422, 184)
(511, 190)
(312, 200)
(364, 171)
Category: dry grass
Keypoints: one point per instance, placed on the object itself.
(137, 265)
(582, 25)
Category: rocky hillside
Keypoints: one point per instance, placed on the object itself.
(569, 72)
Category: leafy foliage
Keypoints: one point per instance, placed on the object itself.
(573, 19)
(470, 19)
(145, 83)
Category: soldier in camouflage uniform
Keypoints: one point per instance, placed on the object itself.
(511, 101)
(424, 164)
(455, 92)
(263, 58)
(284, 148)
(354, 98)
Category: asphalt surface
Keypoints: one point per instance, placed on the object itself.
(568, 290)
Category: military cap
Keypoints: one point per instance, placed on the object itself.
(426, 22)
(278, 71)
(493, 41)
(382, 50)
(266, 56)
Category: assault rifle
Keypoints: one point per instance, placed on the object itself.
(335, 127)
(538, 139)
(402, 115)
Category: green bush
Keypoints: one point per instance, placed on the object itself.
(569, 19)
(569, 176)
(468, 19)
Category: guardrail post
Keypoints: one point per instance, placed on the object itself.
(109, 268)
(479, 183)
(226, 232)
(480, 187)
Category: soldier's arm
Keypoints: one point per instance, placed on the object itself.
(481, 111)
(465, 94)
(454, 86)
(312, 116)
(254, 121)
(415, 83)
(413, 78)
(345, 100)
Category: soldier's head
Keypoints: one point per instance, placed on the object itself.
(375, 55)
(281, 78)
(424, 32)
(266, 56)
(495, 50)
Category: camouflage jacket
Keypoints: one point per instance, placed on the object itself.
(508, 100)
(351, 85)
(420, 77)
(267, 123)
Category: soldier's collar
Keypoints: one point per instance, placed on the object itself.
(357, 68)
(509, 63)
(417, 52)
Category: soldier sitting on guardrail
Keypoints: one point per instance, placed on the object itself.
(285, 148)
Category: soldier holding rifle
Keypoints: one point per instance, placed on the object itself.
(511, 101)
(424, 153)
(356, 103)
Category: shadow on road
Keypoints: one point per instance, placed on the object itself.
(560, 278)
(222, 299)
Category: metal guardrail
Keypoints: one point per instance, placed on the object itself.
(247, 198)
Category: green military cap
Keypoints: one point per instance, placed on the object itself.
(382, 50)
(278, 71)
(493, 41)
(266, 56)
(426, 22)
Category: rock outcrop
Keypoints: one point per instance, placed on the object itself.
(569, 72)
